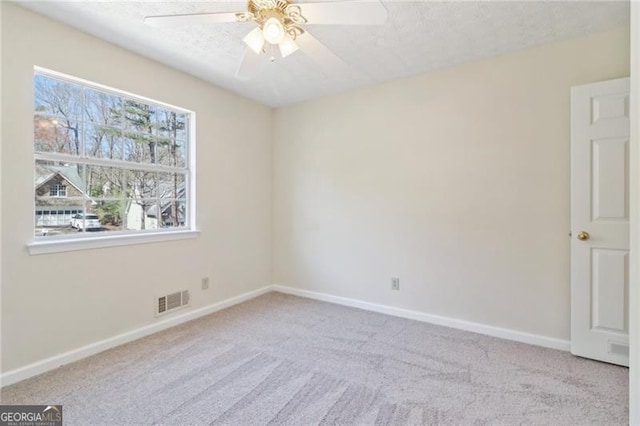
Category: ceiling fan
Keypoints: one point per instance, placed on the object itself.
(281, 28)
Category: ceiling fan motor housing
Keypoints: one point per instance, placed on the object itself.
(289, 15)
(257, 6)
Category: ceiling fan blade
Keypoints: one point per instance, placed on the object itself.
(321, 54)
(353, 12)
(170, 21)
(250, 65)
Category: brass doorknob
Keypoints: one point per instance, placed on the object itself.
(583, 235)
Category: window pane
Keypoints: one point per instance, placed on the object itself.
(50, 174)
(170, 124)
(102, 109)
(139, 117)
(181, 132)
(110, 214)
(55, 134)
(141, 214)
(171, 188)
(171, 185)
(87, 220)
(165, 122)
(53, 213)
(104, 182)
(57, 97)
(174, 213)
(172, 154)
(103, 142)
(141, 184)
(54, 220)
(139, 148)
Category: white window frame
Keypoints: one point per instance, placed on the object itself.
(60, 190)
(62, 243)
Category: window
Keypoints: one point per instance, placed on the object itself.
(58, 190)
(107, 162)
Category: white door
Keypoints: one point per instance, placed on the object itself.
(600, 221)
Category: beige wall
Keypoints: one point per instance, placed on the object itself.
(456, 181)
(54, 303)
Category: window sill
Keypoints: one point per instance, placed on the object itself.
(75, 244)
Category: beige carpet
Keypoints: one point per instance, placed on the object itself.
(284, 360)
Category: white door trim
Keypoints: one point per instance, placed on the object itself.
(634, 187)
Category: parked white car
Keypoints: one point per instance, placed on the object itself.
(85, 222)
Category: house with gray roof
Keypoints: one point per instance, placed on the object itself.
(60, 193)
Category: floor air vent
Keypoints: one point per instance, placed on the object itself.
(171, 302)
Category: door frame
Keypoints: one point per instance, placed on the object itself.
(634, 187)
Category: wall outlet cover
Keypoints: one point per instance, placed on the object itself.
(395, 283)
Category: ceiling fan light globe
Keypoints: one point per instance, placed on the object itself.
(255, 40)
(287, 46)
(273, 31)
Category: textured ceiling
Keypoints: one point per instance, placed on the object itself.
(418, 37)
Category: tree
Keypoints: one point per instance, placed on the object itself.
(154, 133)
(75, 120)
(141, 141)
(171, 125)
(63, 100)
(50, 136)
(103, 125)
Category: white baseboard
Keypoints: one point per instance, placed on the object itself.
(503, 333)
(22, 373)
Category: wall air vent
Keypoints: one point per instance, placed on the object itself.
(172, 302)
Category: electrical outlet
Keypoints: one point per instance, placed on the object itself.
(395, 283)
(205, 283)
